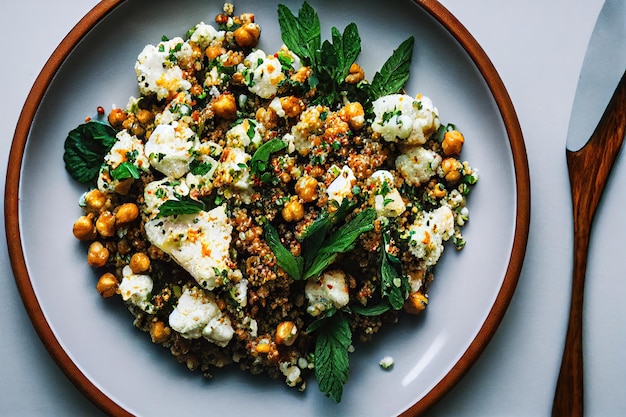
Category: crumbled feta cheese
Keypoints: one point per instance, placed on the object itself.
(157, 71)
(157, 192)
(291, 373)
(245, 133)
(386, 362)
(427, 234)
(169, 149)
(276, 105)
(136, 289)
(310, 121)
(402, 118)
(234, 172)
(197, 314)
(387, 198)
(266, 73)
(205, 35)
(197, 242)
(127, 148)
(417, 165)
(341, 186)
(330, 290)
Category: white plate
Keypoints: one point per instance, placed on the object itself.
(117, 366)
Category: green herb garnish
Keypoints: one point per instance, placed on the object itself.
(395, 286)
(319, 251)
(331, 356)
(260, 159)
(124, 171)
(85, 148)
(394, 72)
(197, 167)
(184, 205)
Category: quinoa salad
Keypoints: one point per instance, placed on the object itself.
(269, 210)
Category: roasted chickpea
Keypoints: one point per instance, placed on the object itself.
(293, 210)
(159, 332)
(306, 188)
(97, 254)
(84, 228)
(452, 142)
(451, 170)
(126, 213)
(107, 285)
(95, 200)
(247, 35)
(145, 117)
(286, 333)
(292, 106)
(105, 224)
(266, 117)
(116, 117)
(225, 106)
(139, 263)
(416, 303)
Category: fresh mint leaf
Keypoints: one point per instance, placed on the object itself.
(341, 241)
(124, 171)
(347, 47)
(85, 148)
(301, 34)
(284, 258)
(394, 72)
(260, 159)
(370, 311)
(197, 167)
(332, 365)
(394, 286)
(184, 205)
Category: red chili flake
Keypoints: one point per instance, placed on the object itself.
(330, 286)
(87, 119)
(100, 110)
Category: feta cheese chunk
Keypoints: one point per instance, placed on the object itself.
(417, 165)
(330, 290)
(156, 70)
(387, 199)
(234, 174)
(205, 35)
(386, 362)
(169, 149)
(197, 314)
(158, 192)
(127, 149)
(245, 133)
(404, 119)
(427, 234)
(341, 186)
(136, 289)
(265, 73)
(197, 242)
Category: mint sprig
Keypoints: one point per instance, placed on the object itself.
(318, 256)
(394, 72)
(332, 364)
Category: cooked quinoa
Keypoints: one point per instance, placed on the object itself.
(237, 210)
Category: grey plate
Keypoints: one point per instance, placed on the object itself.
(431, 351)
